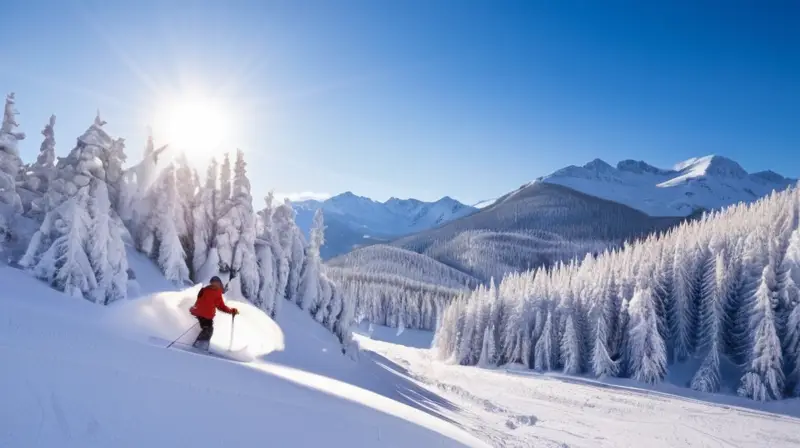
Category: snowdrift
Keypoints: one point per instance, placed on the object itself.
(165, 317)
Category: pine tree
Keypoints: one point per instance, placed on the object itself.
(648, 352)
(267, 259)
(225, 180)
(309, 288)
(187, 184)
(106, 248)
(205, 227)
(544, 355)
(164, 227)
(283, 225)
(764, 378)
(682, 312)
(78, 248)
(714, 300)
(10, 164)
(39, 175)
(241, 235)
(570, 348)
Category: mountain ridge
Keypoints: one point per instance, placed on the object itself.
(355, 221)
(708, 182)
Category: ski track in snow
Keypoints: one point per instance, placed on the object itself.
(523, 409)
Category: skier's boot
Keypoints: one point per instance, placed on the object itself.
(201, 345)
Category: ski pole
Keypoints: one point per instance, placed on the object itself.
(233, 319)
(182, 335)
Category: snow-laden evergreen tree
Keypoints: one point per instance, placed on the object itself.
(134, 186)
(648, 358)
(225, 180)
(544, 353)
(713, 316)
(283, 225)
(105, 246)
(115, 180)
(162, 229)
(240, 217)
(764, 378)
(604, 316)
(10, 164)
(187, 184)
(204, 218)
(682, 312)
(268, 256)
(309, 292)
(78, 248)
(40, 173)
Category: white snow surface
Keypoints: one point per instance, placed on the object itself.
(709, 182)
(77, 374)
(515, 407)
(84, 375)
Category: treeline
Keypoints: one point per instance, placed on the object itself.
(393, 301)
(719, 293)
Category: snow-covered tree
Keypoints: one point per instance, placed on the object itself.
(267, 255)
(205, 257)
(648, 359)
(187, 184)
(10, 164)
(106, 249)
(78, 248)
(309, 293)
(764, 378)
(714, 301)
(241, 235)
(162, 229)
(286, 256)
(38, 176)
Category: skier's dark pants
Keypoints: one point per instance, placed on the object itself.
(206, 329)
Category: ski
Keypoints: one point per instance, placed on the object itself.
(191, 349)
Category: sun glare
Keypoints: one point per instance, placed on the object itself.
(196, 125)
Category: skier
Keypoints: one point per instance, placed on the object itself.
(209, 300)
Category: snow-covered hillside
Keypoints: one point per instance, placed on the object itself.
(78, 374)
(356, 220)
(537, 224)
(510, 407)
(709, 182)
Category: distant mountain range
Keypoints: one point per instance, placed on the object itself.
(354, 221)
(577, 210)
(708, 182)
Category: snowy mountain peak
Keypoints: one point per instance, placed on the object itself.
(599, 166)
(351, 218)
(712, 165)
(707, 182)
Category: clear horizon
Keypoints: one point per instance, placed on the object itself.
(417, 100)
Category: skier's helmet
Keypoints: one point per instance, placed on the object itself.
(216, 280)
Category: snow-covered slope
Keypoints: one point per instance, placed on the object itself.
(708, 182)
(356, 220)
(510, 407)
(82, 375)
(539, 223)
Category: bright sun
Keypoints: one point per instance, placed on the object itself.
(196, 125)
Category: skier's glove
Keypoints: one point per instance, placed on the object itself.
(234, 311)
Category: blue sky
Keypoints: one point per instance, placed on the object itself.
(419, 98)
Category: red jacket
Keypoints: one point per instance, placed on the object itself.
(209, 300)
